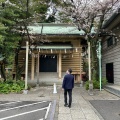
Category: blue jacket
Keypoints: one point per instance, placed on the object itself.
(68, 82)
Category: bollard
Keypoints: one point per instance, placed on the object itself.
(81, 84)
(54, 88)
(25, 92)
(90, 89)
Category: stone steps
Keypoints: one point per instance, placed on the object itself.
(47, 78)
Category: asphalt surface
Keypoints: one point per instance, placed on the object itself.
(108, 109)
(24, 110)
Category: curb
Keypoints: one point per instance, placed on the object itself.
(52, 111)
(113, 91)
(96, 112)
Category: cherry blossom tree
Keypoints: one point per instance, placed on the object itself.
(90, 16)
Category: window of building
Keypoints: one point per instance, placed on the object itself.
(111, 41)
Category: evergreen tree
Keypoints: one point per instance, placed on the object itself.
(15, 16)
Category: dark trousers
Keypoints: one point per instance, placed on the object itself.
(69, 91)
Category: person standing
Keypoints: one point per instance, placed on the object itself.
(68, 85)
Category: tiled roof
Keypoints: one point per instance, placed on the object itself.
(55, 29)
(111, 19)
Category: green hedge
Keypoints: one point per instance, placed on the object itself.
(12, 86)
(96, 84)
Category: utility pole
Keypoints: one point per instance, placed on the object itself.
(89, 67)
(26, 68)
(89, 61)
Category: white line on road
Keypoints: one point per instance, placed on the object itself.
(10, 103)
(5, 118)
(22, 106)
(47, 110)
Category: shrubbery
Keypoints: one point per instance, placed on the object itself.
(96, 84)
(12, 86)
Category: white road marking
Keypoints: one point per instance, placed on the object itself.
(10, 103)
(5, 118)
(21, 106)
(47, 110)
(41, 119)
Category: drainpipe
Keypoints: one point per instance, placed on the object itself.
(100, 72)
(99, 59)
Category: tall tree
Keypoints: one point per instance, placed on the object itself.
(16, 15)
(90, 16)
(9, 37)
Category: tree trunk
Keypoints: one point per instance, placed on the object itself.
(16, 64)
(94, 61)
(3, 71)
(18, 74)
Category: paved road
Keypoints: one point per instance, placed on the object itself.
(24, 110)
(108, 109)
